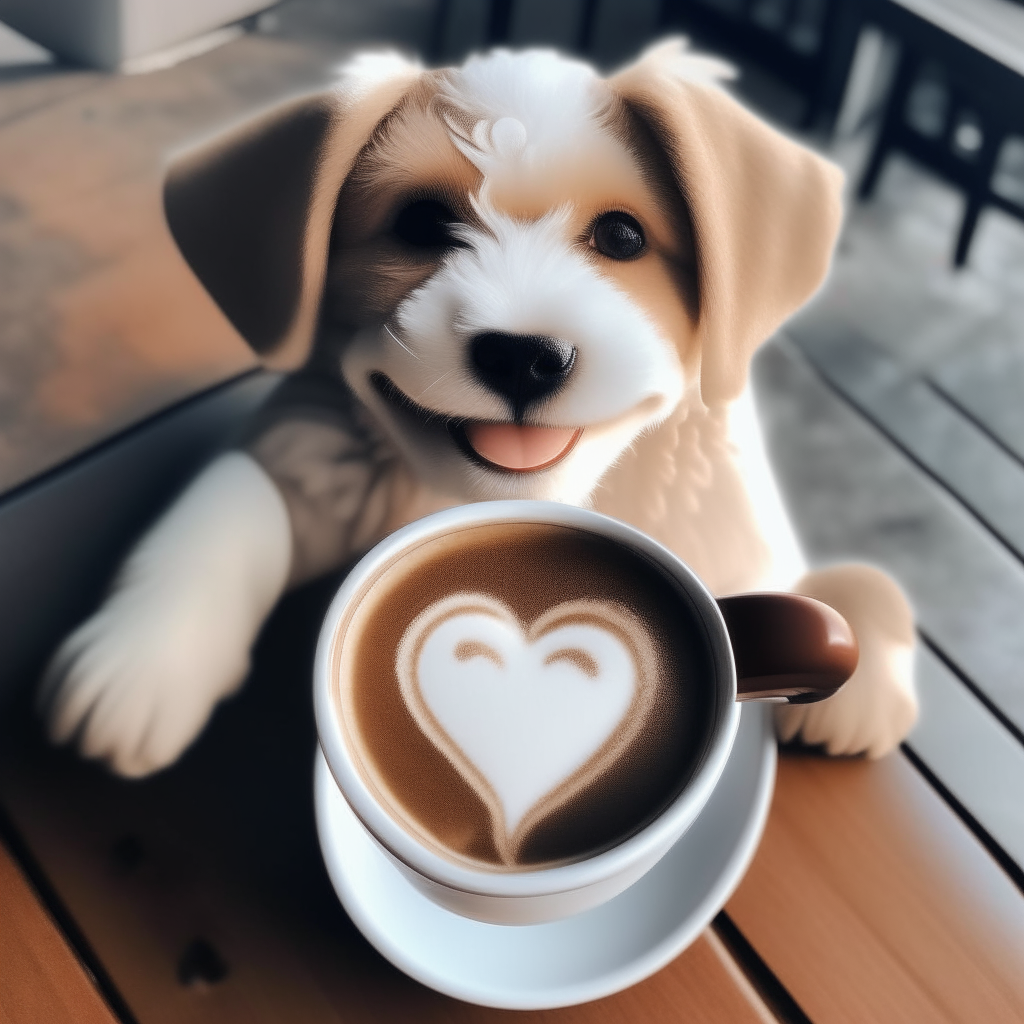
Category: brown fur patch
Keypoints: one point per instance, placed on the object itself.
(409, 157)
(669, 193)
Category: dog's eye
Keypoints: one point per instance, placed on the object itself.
(426, 224)
(618, 236)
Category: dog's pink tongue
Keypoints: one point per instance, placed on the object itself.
(520, 448)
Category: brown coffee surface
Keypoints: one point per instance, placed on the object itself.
(531, 569)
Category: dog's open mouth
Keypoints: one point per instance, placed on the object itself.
(508, 447)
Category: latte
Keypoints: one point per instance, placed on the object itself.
(519, 695)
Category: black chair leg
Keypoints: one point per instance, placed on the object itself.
(979, 189)
(967, 226)
(587, 21)
(439, 29)
(499, 22)
(842, 29)
(892, 121)
(874, 168)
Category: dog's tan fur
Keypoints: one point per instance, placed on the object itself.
(739, 225)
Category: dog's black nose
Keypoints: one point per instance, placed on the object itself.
(521, 367)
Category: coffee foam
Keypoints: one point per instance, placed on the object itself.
(566, 610)
(529, 714)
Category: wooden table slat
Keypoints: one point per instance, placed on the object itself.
(870, 901)
(40, 978)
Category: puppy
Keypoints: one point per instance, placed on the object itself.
(514, 279)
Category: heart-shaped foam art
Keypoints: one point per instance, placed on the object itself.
(529, 715)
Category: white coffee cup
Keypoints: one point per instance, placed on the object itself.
(530, 896)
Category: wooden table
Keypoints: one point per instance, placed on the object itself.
(199, 894)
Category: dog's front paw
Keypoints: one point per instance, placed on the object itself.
(871, 714)
(876, 708)
(135, 684)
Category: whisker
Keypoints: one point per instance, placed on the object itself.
(447, 373)
(401, 344)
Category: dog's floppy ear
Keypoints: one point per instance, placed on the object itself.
(765, 210)
(251, 210)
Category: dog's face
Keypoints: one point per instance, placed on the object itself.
(517, 266)
(513, 282)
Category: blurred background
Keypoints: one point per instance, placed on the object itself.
(893, 403)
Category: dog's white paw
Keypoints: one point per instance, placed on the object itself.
(135, 684)
(877, 707)
(871, 714)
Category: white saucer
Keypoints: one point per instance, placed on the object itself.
(593, 954)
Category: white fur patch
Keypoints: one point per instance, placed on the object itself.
(523, 278)
(137, 682)
(553, 100)
(675, 57)
(748, 450)
(366, 72)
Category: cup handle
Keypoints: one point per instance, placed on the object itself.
(788, 648)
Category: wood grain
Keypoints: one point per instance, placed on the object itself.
(40, 979)
(870, 901)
